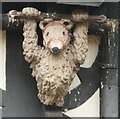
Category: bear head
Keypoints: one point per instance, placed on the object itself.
(56, 35)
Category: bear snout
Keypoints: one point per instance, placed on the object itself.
(55, 46)
(55, 50)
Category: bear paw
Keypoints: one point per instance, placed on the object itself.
(30, 11)
(79, 15)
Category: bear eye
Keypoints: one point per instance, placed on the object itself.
(66, 23)
(64, 33)
(47, 33)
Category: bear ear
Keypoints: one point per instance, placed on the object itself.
(44, 23)
(67, 23)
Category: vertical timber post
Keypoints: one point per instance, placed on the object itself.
(109, 72)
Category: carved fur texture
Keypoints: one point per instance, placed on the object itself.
(53, 73)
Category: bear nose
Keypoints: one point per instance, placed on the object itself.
(55, 50)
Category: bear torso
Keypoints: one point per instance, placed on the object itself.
(54, 74)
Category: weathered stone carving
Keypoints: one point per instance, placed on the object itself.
(54, 66)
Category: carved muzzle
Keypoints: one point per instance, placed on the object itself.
(55, 45)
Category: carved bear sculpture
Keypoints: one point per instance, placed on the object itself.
(54, 66)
